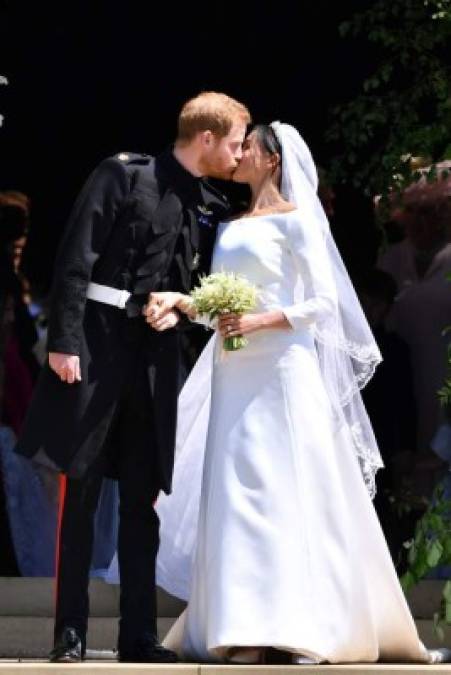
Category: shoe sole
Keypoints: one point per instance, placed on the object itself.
(65, 659)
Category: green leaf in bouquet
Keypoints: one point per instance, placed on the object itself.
(232, 344)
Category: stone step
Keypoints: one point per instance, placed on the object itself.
(424, 599)
(31, 637)
(102, 668)
(27, 606)
(34, 596)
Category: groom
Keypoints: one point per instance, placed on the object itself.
(107, 400)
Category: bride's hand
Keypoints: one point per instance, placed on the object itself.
(159, 305)
(230, 325)
(169, 320)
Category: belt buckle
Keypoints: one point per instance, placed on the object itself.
(122, 298)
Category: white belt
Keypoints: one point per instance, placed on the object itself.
(107, 294)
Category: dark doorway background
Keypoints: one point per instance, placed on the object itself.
(89, 79)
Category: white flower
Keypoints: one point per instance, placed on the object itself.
(224, 292)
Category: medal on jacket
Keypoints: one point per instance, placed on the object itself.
(203, 216)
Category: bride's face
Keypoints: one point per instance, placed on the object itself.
(256, 163)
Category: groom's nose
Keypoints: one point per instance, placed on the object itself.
(238, 154)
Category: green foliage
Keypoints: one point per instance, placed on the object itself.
(444, 393)
(399, 121)
(403, 109)
(429, 548)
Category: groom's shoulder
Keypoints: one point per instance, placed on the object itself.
(123, 164)
(133, 158)
(134, 167)
(133, 161)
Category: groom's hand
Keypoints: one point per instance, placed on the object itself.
(66, 366)
(168, 320)
(159, 305)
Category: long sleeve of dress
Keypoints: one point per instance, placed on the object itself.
(205, 321)
(308, 247)
(84, 240)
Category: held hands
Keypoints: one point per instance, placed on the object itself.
(160, 311)
(168, 320)
(66, 366)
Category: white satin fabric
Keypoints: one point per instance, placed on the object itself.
(270, 533)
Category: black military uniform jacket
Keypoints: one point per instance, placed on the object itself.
(139, 224)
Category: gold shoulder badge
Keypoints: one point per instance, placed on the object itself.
(123, 156)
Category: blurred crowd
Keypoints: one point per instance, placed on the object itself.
(20, 340)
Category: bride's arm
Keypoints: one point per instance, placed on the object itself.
(308, 247)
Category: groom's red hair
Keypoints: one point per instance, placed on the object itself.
(210, 111)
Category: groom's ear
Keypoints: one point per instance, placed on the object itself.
(207, 137)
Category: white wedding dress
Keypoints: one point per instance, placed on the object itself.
(284, 548)
(270, 532)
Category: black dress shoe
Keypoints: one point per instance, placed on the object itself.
(146, 650)
(68, 648)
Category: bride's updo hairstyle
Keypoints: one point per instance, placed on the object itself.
(268, 139)
(270, 143)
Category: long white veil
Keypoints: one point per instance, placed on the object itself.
(347, 351)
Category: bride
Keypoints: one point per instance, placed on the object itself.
(270, 533)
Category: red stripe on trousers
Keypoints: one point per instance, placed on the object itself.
(61, 502)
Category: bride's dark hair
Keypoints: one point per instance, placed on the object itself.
(268, 139)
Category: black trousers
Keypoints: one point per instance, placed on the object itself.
(138, 537)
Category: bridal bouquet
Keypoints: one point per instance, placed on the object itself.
(224, 293)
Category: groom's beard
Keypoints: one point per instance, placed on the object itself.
(218, 168)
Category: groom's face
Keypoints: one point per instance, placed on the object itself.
(221, 156)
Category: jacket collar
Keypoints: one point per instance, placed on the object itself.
(189, 187)
(171, 172)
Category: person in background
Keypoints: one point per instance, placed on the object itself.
(18, 366)
(421, 312)
(390, 403)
